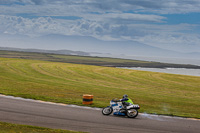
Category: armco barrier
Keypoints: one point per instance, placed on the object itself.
(87, 99)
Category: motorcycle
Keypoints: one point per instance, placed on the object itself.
(117, 107)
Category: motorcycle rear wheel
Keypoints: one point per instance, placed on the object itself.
(107, 111)
(132, 113)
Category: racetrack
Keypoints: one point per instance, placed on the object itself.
(37, 113)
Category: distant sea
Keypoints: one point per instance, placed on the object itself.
(195, 61)
(166, 60)
(182, 71)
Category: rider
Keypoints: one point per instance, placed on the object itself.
(126, 101)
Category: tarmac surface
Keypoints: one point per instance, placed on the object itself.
(70, 117)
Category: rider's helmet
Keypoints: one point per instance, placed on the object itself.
(125, 96)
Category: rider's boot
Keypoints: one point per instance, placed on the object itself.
(123, 109)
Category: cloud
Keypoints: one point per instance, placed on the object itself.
(32, 27)
(134, 20)
(78, 7)
(171, 37)
(125, 18)
(38, 2)
(151, 34)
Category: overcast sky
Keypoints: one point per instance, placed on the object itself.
(161, 23)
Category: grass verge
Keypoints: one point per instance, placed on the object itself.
(16, 128)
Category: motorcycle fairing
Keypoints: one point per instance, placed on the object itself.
(135, 106)
(119, 113)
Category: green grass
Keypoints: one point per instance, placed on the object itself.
(156, 93)
(16, 128)
(88, 60)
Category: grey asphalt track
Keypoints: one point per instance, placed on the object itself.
(59, 116)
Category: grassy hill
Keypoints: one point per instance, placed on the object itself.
(88, 60)
(157, 93)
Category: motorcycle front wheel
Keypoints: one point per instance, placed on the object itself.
(107, 111)
(132, 113)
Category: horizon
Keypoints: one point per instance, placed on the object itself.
(173, 60)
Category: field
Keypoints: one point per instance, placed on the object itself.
(15, 128)
(88, 60)
(156, 93)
